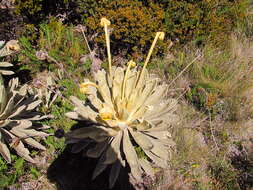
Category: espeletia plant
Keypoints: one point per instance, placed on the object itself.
(44, 85)
(19, 121)
(7, 49)
(129, 112)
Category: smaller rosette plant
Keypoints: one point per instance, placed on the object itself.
(8, 48)
(18, 121)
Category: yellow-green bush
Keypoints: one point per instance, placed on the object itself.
(38, 10)
(191, 19)
(135, 22)
(59, 41)
(30, 6)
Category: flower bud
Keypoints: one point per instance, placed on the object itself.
(131, 63)
(12, 45)
(41, 55)
(161, 35)
(104, 21)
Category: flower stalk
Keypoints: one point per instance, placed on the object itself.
(129, 65)
(160, 36)
(105, 23)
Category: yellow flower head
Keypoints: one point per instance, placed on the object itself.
(161, 35)
(105, 114)
(12, 45)
(131, 63)
(104, 21)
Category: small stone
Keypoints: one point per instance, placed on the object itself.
(59, 133)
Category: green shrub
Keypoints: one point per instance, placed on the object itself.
(184, 20)
(38, 10)
(132, 21)
(60, 42)
(29, 8)
(138, 20)
(224, 173)
(190, 19)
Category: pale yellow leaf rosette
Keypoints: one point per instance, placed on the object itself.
(127, 111)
